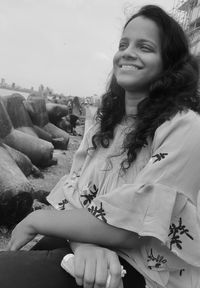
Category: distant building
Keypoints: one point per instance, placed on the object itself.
(92, 100)
(3, 82)
(187, 12)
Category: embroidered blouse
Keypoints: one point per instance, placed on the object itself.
(157, 197)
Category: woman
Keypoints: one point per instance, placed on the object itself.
(136, 171)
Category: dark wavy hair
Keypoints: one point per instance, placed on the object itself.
(174, 91)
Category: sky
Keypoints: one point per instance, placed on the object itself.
(67, 45)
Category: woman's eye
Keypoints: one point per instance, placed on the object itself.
(146, 48)
(122, 46)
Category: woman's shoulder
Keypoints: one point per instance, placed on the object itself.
(182, 119)
(182, 124)
(188, 116)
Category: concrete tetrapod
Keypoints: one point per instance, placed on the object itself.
(17, 113)
(39, 151)
(15, 191)
(36, 108)
(23, 162)
(56, 112)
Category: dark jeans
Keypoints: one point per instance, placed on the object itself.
(40, 267)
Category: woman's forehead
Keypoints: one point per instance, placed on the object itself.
(142, 27)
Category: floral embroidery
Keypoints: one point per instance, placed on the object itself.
(159, 156)
(181, 272)
(98, 212)
(176, 231)
(156, 262)
(62, 204)
(90, 196)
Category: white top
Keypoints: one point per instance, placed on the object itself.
(157, 197)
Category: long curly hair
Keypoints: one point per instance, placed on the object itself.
(174, 91)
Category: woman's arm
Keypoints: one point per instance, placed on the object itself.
(75, 225)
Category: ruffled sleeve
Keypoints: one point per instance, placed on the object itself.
(67, 184)
(163, 202)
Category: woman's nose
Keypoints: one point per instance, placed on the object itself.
(129, 53)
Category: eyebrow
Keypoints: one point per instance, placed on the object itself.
(140, 40)
(149, 41)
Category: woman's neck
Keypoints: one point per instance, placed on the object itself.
(131, 102)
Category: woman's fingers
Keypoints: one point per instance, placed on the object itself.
(114, 270)
(79, 270)
(93, 266)
(101, 273)
(90, 272)
(21, 234)
(17, 243)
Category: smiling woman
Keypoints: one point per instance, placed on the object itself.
(132, 195)
(138, 61)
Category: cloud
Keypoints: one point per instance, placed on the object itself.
(61, 43)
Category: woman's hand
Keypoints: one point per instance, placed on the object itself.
(23, 233)
(93, 264)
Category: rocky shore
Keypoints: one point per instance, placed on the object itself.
(51, 176)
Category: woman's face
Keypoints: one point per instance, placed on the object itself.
(138, 61)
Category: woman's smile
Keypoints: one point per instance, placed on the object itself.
(128, 67)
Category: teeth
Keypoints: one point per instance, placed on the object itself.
(128, 67)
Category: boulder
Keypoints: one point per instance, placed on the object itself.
(15, 191)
